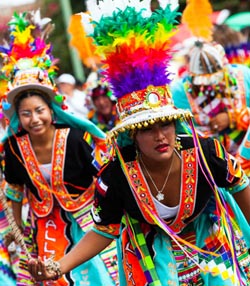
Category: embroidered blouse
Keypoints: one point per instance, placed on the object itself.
(73, 171)
(114, 196)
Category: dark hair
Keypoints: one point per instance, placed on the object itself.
(226, 36)
(100, 90)
(29, 93)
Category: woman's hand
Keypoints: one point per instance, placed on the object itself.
(219, 122)
(37, 269)
(89, 246)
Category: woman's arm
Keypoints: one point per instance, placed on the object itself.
(243, 200)
(17, 213)
(89, 246)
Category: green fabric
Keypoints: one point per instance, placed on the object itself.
(138, 241)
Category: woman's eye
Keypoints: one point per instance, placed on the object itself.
(145, 129)
(167, 123)
(40, 110)
(25, 113)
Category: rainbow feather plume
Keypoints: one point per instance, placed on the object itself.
(28, 34)
(135, 45)
(26, 48)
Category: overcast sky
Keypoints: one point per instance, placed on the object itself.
(15, 2)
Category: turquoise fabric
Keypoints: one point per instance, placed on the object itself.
(164, 259)
(92, 272)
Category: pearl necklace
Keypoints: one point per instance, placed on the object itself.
(160, 195)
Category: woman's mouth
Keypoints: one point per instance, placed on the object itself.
(162, 148)
(36, 128)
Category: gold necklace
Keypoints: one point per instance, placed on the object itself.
(160, 195)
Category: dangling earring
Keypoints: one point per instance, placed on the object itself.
(137, 150)
(53, 121)
(177, 143)
(19, 128)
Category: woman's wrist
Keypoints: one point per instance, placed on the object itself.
(54, 267)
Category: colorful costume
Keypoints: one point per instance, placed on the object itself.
(7, 265)
(243, 153)
(212, 101)
(104, 114)
(197, 220)
(213, 86)
(57, 221)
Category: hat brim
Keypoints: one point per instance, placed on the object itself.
(14, 92)
(150, 116)
(209, 79)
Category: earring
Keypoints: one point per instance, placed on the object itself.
(137, 151)
(53, 122)
(177, 143)
(19, 128)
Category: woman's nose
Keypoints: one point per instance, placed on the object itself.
(159, 134)
(34, 116)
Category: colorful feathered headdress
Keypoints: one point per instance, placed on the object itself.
(28, 63)
(206, 58)
(134, 43)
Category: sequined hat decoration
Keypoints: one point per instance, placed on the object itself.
(134, 43)
(28, 63)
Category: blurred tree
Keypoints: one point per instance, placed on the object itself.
(59, 37)
(233, 5)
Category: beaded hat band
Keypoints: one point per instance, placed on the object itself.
(141, 108)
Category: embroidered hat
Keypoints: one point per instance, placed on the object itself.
(27, 60)
(102, 90)
(134, 44)
(206, 63)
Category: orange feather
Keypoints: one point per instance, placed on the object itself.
(197, 17)
(83, 44)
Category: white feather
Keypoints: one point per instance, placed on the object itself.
(107, 7)
(85, 21)
(174, 4)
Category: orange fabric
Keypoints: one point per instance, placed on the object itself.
(67, 202)
(131, 265)
(51, 239)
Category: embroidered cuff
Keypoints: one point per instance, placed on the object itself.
(244, 182)
(14, 192)
(107, 231)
